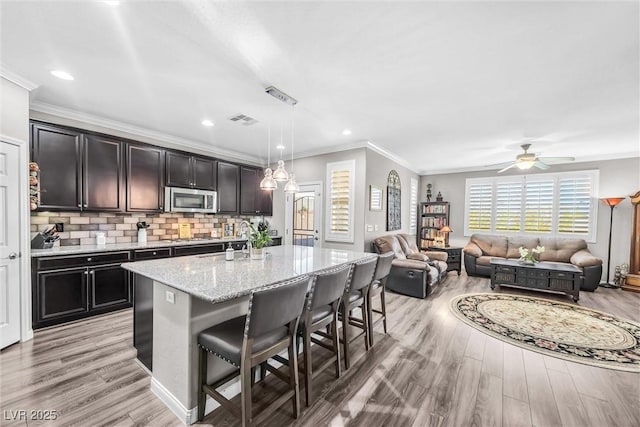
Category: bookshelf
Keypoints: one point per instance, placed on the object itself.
(432, 216)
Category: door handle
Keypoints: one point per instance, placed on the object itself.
(13, 255)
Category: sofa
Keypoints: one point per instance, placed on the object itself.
(482, 247)
(413, 273)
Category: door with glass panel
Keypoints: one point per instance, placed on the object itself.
(305, 207)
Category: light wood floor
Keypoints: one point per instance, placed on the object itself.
(431, 370)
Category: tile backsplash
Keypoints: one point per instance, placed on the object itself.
(80, 227)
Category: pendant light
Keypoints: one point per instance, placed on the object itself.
(292, 186)
(281, 174)
(268, 183)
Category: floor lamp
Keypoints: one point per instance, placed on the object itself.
(611, 202)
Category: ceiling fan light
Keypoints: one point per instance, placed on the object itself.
(268, 183)
(292, 186)
(281, 174)
(525, 164)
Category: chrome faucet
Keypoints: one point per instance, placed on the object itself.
(243, 230)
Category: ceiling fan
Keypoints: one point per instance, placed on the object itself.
(526, 160)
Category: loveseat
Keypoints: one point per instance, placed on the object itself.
(413, 273)
(482, 247)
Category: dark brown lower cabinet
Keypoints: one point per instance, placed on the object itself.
(62, 294)
(109, 287)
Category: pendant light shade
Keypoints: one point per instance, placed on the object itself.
(292, 186)
(281, 173)
(268, 183)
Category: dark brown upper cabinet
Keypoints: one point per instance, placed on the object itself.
(253, 200)
(103, 174)
(228, 186)
(145, 178)
(77, 171)
(183, 170)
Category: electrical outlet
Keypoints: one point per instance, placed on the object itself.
(369, 227)
(375, 227)
(59, 227)
(171, 297)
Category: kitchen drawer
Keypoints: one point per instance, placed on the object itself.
(51, 263)
(237, 245)
(142, 254)
(200, 249)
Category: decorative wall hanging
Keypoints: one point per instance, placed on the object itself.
(375, 198)
(394, 201)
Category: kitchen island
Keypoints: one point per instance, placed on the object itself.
(186, 295)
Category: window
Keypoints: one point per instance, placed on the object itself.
(413, 207)
(560, 204)
(340, 201)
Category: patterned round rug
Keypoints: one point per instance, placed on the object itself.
(554, 328)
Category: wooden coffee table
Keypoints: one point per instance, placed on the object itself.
(542, 276)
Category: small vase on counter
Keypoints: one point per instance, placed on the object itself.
(142, 231)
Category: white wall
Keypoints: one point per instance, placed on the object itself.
(618, 178)
(14, 110)
(378, 168)
(314, 168)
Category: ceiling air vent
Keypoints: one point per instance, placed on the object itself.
(243, 119)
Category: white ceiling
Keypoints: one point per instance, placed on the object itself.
(441, 85)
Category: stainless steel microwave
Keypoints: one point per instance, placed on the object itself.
(190, 200)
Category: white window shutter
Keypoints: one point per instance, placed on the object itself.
(479, 207)
(538, 206)
(340, 200)
(413, 207)
(574, 205)
(508, 204)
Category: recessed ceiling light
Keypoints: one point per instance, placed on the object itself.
(208, 123)
(62, 74)
(280, 147)
(346, 132)
(112, 2)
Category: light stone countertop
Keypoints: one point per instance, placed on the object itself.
(83, 249)
(209, 277)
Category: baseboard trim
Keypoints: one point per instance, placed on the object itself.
(184, 415)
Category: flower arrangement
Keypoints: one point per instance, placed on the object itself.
(529, 256)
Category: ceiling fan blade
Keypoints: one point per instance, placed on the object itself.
(557, 159)
(498, 165)
(513, 165)
(541, 165)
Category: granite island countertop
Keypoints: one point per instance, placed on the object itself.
(209, 277)
(110, 247)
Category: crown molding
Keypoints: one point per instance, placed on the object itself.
(582, 159)
(17, 79)
(164, 139)
(399, 160)
(353, 146)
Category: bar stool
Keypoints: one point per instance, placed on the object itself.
(355, 296)
(383, 268)
(248, 341)
(321, 311)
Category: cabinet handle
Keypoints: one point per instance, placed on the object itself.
(79, 205)
(91, 272)
(85, 205)
(155, 253)
(88, 259)
(86, 273)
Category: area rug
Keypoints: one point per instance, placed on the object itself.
(554, 328)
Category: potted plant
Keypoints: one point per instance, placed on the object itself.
(258, 239)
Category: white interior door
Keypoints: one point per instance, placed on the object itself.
(9, 245)
(304, 216)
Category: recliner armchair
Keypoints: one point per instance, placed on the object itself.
(413, 273)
